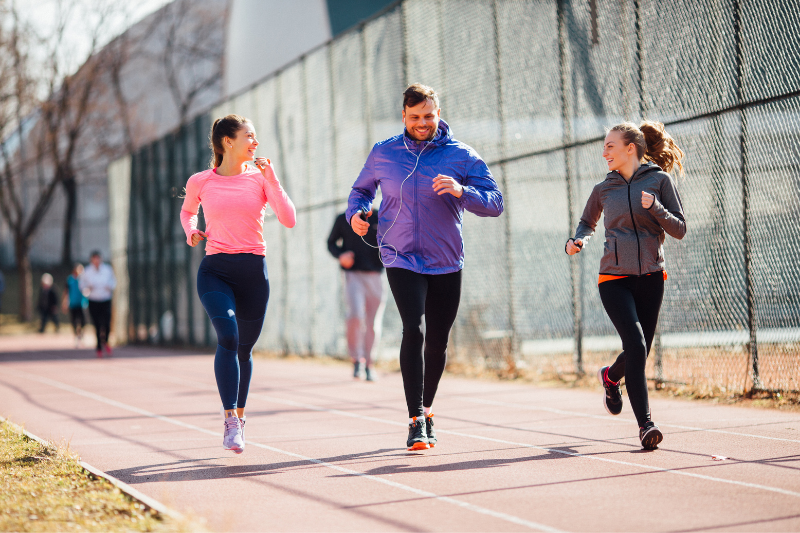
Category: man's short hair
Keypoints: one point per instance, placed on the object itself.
(418, 93)
(95, 253)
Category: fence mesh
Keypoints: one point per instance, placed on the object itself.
(531, 85)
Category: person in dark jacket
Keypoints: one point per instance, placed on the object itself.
(365, 298)
(48, 302)
(641, 204)
(427, 179)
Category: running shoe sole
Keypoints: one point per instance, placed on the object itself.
(652, 438)
(419, 446)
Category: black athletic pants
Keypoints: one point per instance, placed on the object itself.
(632, 304)
(437, 297)
(101, 318)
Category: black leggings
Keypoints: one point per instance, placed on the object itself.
(436, 297)
(234, 290)
(633, 304)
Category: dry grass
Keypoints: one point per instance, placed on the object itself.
(46, 489)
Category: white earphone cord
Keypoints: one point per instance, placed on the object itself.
(380, 244)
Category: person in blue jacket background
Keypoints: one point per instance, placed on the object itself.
(427, 180)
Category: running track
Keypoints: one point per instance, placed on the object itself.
(325, 453)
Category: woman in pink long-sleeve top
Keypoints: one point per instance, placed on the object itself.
(232, 280)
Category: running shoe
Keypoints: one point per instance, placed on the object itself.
(417, 436)
(108, 350)
(429, 430)
(612, 399)
(241, 423)
(100, 354)
(232, 439)
(650, 436)
(368, 374)
(356, 370)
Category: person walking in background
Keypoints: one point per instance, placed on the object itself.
(364, 295)
(232, 281)
(74, 303)
(98, 282)
(427, 179)
(48, 302)
(640, 203)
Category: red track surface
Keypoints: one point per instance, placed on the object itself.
(325, 453)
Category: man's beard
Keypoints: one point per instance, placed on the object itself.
(429, 137)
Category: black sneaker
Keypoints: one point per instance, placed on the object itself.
(650, 436)
(612, 399)
(417, 436)
(429, 430)
(356, 370)
(368, 374)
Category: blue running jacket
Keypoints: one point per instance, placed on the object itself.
(427, 232)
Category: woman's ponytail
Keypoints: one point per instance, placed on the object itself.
(661, 147)
(653, 143)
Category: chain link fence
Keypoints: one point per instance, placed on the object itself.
(531, 85)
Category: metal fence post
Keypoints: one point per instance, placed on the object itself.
(575, 262)
(637, 12)
(513, 341)
(752, 343)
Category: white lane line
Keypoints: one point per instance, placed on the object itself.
(446, 499)
(616, 419)
(312, 407)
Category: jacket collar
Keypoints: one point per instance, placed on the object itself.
(643, 169)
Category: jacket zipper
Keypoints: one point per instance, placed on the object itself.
(416, 211)
(638, 246)
(616, 257)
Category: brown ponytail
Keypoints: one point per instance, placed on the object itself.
(227, 126)
(653, 143)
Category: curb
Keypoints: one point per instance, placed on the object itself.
(134, 494)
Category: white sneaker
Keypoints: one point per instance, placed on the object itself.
(241, 423)
(232, 439)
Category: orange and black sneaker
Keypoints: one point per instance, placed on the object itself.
(429, 430)
(417, 436)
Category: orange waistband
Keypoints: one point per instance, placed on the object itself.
(608, 277)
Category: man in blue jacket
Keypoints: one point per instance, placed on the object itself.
(427, 180)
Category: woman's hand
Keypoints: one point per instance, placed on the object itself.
(360, 226)
(197, 237)
(574, 246)
(265, 166)
(647, 200)
(446, 184)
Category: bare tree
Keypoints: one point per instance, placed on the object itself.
(41, 136)
(192, 62)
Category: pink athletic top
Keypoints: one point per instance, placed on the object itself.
(234, 208)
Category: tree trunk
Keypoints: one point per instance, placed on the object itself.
(25, 276)
(71, 194)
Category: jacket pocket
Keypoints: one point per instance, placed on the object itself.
(610, 251)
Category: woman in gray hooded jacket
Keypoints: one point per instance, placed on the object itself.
(641, 204)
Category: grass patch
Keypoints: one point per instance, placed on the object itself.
(46, 489)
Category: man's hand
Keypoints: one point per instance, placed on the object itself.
(446, 184)
(647, 200)
(360, 226)
(347, 260)
(197, 237)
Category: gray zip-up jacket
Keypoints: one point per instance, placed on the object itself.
(634, 235)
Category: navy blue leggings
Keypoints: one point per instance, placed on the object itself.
(234, 290)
